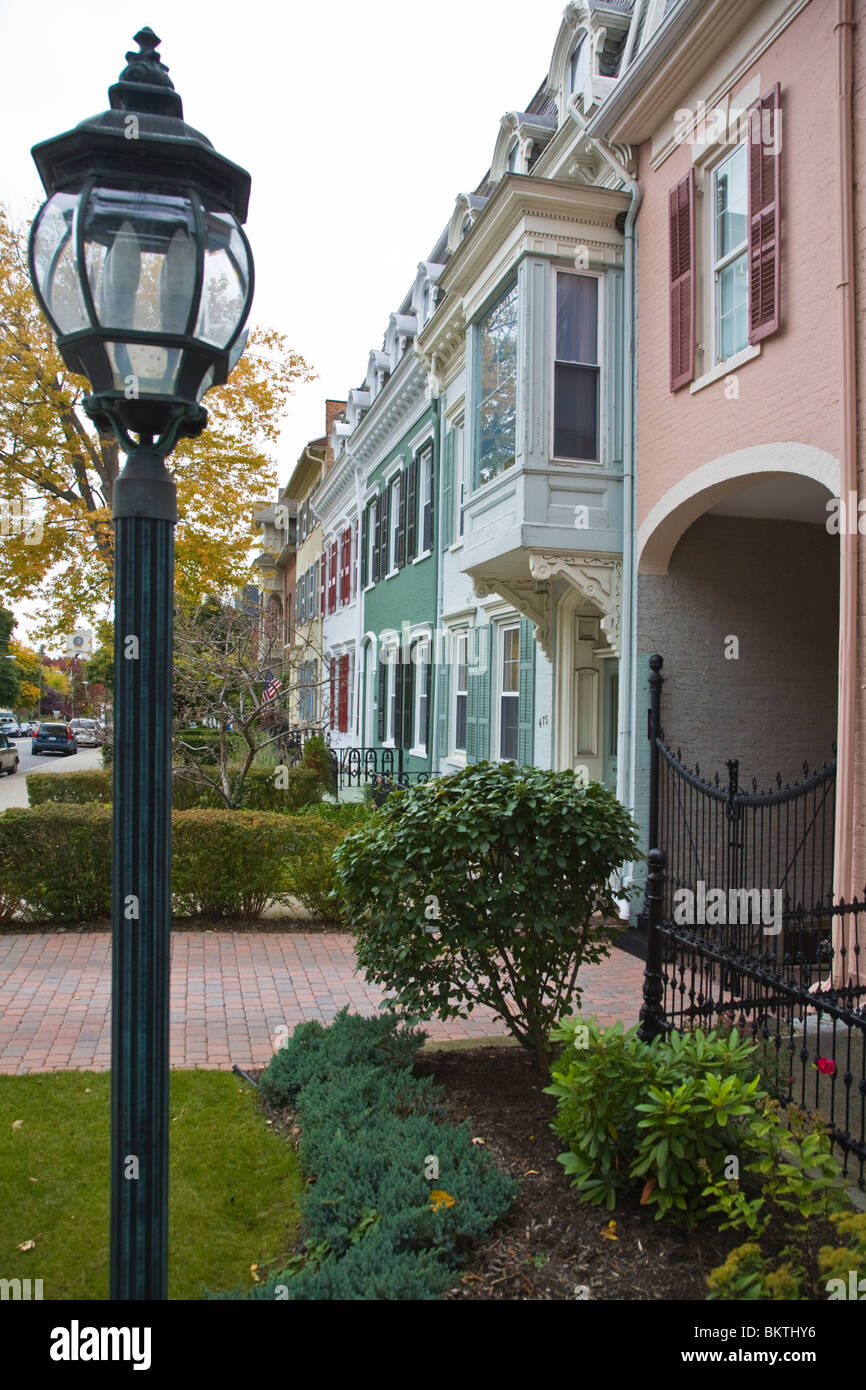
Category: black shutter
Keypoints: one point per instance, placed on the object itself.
(408, 699)
(401, 525)
(412, 511)
(382, 697)
(364, 524)
(399, 677)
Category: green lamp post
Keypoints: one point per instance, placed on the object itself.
(140, 263)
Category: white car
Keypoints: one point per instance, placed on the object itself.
(86, 732)
(8, 755)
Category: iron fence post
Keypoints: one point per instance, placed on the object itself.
(651, 1021)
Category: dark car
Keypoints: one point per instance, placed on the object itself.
(54, 737)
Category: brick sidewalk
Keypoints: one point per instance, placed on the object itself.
(229, 995)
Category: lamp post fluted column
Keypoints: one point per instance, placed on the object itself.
(144, 513)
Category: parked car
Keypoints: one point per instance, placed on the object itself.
(26, 729)
(52, 737)
(8, 755)
(10, 728)
(86, 732)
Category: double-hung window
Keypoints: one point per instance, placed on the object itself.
(427, 500)
(461, 688)
(497, 387)
(730, 254)
(372, 517)
(576, 371)
(509, 692)
(396, 521)
(421, 663)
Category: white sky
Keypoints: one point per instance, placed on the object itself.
(358, 123)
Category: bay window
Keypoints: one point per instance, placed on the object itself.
(509, 693)
(576, 370)
(496, 368)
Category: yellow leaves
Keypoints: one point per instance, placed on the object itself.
(608, 1232)
(477, 1141)
(439, 1199)
(254, 1275)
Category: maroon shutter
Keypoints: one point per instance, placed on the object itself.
(765, 215)
(343, 699)
(681, 217)
(333, 681)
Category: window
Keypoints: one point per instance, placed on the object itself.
(509, 693)
(512, 156)
(372, 529)
(420, 656)
(307, 692)
(578, 67)
(461, 665)
(427, 500)
(497, 387)
(576, 372)
(395, 515)
(391, 724)
(730, 255)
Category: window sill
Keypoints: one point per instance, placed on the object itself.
(425, 555)
(723, 369)
(456, 545)
(368, 587)
(416, 752)
(458, 759)
(391, 574)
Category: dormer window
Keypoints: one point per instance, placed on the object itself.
(512, 157)
(578, 67)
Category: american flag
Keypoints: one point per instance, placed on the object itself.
(272, 688)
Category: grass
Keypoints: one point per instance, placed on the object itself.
(232, 1194)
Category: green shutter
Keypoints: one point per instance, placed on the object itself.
(478, 697)
(446, 522)
(526, 702)
(444, 710)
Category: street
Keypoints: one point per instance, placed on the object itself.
(13, 790)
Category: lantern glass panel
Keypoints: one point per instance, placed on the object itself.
(55, 265)
(226, 280)
(140, 253)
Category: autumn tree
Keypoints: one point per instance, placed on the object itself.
(10, 678)
(55, 467)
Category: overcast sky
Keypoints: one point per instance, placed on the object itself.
(359, 124)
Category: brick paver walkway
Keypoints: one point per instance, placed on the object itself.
(230, 994)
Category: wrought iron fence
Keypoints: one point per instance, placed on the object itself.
(380, 769)
(742, 930)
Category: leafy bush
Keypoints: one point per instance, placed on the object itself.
(656, 1115)
(317, 758)
(228, 863)
(789, 1181)
(56, 860)
(483, 888)
(312, 870)
(377, 1227)
(345, 813)
(76, 788)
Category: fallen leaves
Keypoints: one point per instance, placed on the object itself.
(27, 1245)
(439, 1199)
(608, 1232)
(16, 1124)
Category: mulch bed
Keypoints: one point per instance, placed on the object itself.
(549, 1243)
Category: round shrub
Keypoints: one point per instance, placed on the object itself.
(486, 887)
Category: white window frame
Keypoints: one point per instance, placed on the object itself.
(509, 625)
(395, 500)
(372, 517)
(717, 263)
(421, 643)
(602, 384)
(459, 635)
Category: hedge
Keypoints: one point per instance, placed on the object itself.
(55, 861)
(380, 1223)
(263, 790)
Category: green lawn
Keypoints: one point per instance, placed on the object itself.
(233, 1189)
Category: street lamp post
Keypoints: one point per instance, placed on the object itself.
(140, 263)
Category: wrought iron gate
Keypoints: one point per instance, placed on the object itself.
(742, 928)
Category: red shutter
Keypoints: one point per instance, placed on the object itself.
(681, 221)
(333, 691)
(343, 717)
(765, 215)
(332, 580)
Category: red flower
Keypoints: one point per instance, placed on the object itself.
(826, 1066)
